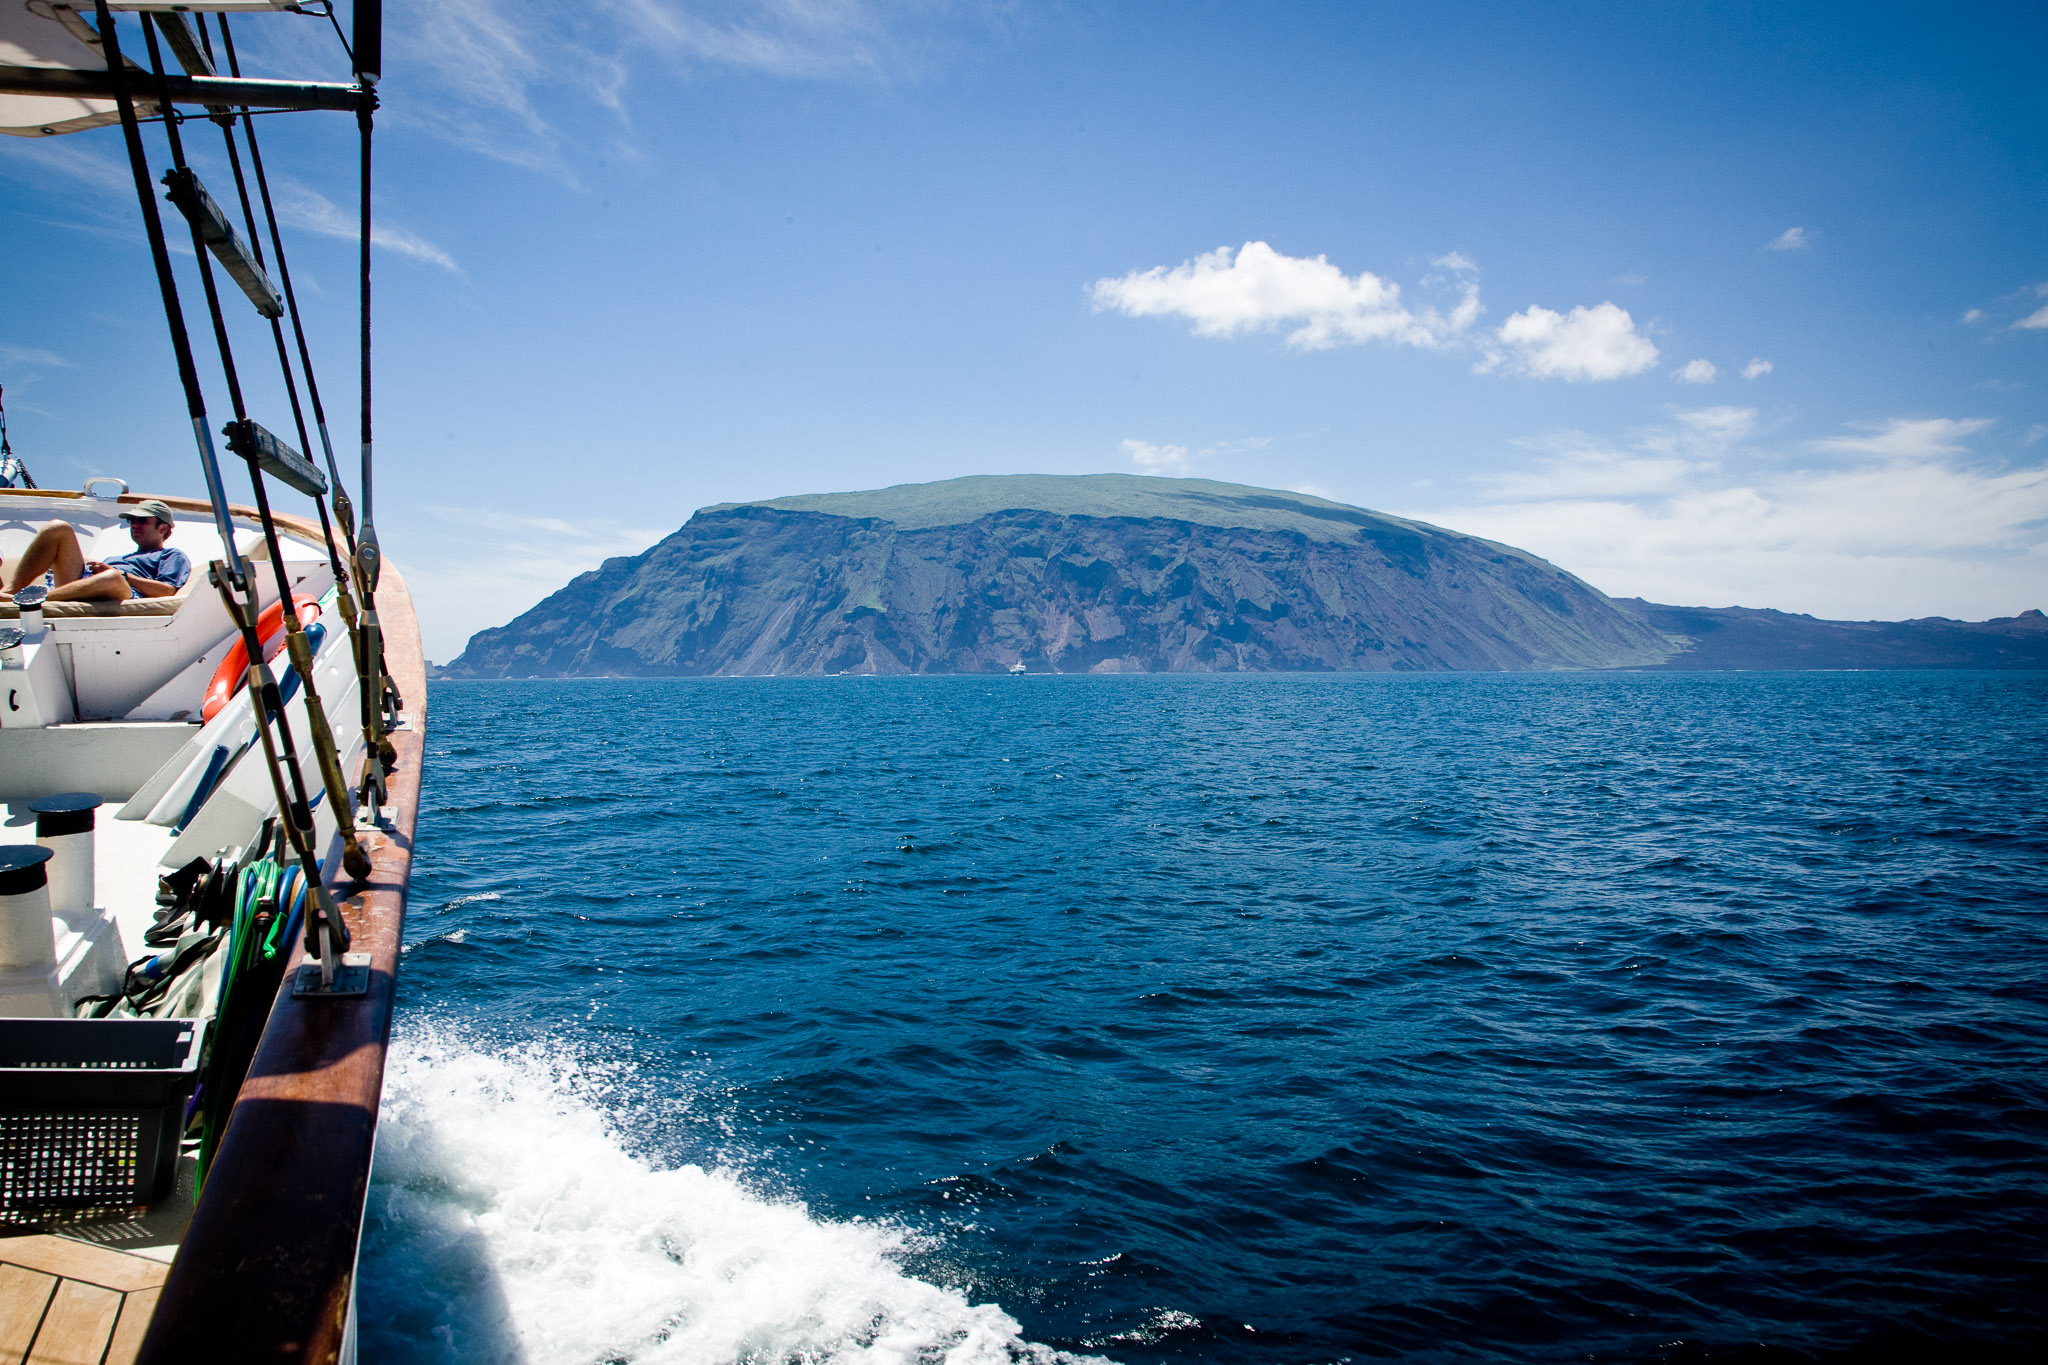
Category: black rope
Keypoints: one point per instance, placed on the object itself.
(220, 329)
(291, 303)
(167, 283)
(358, 862)
(363, 121)
(378, 693)
(298, 807)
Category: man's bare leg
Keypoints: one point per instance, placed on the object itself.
(55, 551)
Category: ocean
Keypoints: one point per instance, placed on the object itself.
(1272, 1018)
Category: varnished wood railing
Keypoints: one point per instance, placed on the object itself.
(268, 1265)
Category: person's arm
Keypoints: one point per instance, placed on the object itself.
(171, 562)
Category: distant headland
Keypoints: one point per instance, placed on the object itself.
(1111, 573)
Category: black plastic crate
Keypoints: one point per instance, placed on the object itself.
(91, 1111)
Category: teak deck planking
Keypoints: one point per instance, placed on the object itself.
(73, 1303)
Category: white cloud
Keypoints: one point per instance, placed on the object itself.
(32, 355)
(1225, 293)
(1756, 368)
(1179, 460)
(2007, 305)
(1907, 438)
(1154, 459)
(300, 207)
(1697, 372)
(1791, 239)
(1590, 344)
(1914, 523)
(1719, 427)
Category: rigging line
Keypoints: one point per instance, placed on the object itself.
(291, 299)
(324, 749)
(343, 511)
(262, 683)
(167, 286)
(380, 699)
(327, 8)
(220, 326)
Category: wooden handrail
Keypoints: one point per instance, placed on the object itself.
(268, 1265)
(304, 527)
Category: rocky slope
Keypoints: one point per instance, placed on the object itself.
(1749, 637)
(1096, 573)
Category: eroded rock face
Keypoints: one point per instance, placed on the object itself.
(941, 578)
(1721, 638)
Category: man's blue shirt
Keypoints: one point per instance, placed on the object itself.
(165, 565)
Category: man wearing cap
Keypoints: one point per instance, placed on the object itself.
(154, 570)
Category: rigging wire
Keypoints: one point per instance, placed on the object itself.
(380, 699)
(280, 751)
(356, 861)
(343, 511)
(167, 286)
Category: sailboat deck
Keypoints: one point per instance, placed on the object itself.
(64, 1302)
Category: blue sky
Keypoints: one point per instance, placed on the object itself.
(1711, 304)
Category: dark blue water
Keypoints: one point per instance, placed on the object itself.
(1605, 1017)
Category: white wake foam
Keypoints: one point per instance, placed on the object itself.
(509, 1222)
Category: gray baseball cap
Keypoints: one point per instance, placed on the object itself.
(150, 509)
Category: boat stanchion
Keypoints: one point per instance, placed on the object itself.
(28, 939)
(64, 825)
(29, 601)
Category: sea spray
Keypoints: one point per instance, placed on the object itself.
(512, 1221)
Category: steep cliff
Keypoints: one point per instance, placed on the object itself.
(1103, 573)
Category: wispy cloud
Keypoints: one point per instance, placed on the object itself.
(1791, 239)
(1696, 372)
(32, 355)
(1177, 459)
(1157, 459)
(506, 81)
(1910, 519)
(51, 161)
(2023, 307)
(1757, 368)
(1908, 438)
(1255, 288)
(1586, 344)
(469, 568)
(300, 207)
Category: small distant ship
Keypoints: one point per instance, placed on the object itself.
(1017, 669)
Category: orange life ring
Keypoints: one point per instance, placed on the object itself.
(234, 669)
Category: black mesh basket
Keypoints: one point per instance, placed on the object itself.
(91, 1111)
